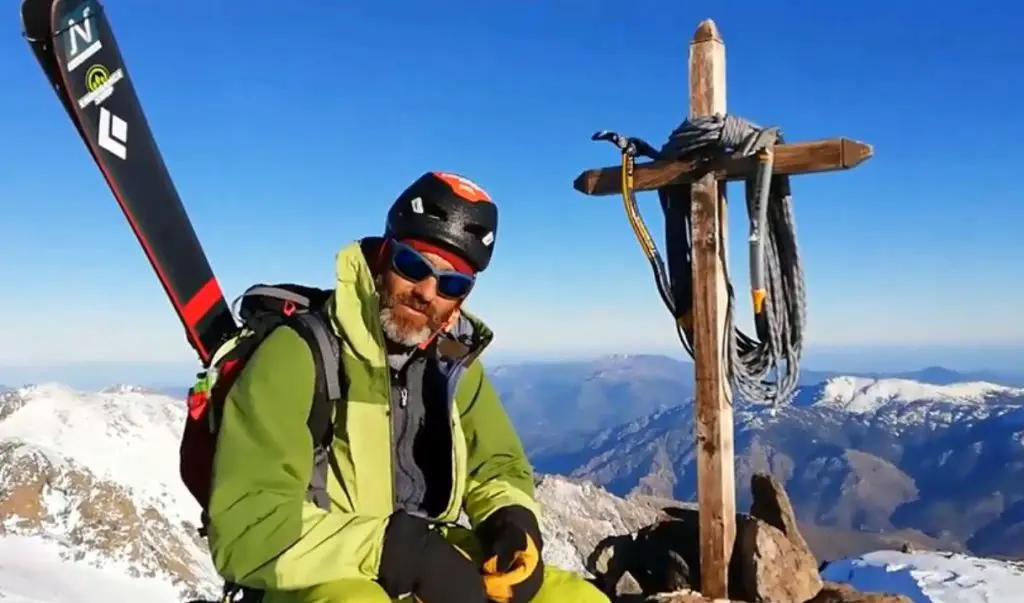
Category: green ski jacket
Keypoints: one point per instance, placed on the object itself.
(263, 532)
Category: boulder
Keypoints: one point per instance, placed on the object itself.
(770, 562)
(772, 559)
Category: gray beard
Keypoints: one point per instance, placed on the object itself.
(396, 335)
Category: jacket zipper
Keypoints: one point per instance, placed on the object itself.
(402, 433)
(391, 419)
(453, 415)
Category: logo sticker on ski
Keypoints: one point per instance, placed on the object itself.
(113, 133)
(100, 84)
(80, 38)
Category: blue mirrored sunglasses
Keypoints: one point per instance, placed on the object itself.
(411, 264)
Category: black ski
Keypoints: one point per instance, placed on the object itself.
(75, 46)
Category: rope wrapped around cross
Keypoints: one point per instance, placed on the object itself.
(776, 274)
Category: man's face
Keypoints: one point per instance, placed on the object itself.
(412, 311)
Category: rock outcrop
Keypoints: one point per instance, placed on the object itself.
(660, 561)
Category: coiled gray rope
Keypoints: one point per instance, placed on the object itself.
(780, 327)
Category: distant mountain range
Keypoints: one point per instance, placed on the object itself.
(934, 450)
(854, 453)
(557, 401)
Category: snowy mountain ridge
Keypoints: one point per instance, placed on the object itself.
(895, 401)
(67, 425)
(92, 477)
(863, 394)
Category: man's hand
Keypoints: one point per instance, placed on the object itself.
(513, 569)
(418, 560)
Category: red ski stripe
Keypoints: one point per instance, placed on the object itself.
(204, 299)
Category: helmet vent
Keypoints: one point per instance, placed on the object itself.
(477, 230)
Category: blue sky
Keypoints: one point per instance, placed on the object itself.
(289, 127)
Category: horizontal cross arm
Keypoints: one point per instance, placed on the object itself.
(799, 158)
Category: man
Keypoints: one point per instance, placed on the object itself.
(420, 436)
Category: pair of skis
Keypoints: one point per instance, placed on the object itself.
(75, 46)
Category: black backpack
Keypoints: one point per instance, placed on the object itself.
(262, 309)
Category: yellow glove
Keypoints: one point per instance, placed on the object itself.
(500, 583)
(512, 568)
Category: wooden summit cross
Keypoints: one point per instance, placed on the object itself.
(716, 490)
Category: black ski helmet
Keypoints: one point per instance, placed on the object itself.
(448, 210)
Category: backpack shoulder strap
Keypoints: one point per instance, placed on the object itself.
(327, 359)
(327, 392)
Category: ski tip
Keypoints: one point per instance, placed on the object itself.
(35, 20)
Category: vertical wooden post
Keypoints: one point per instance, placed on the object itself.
(716, 479)
(716, 490)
